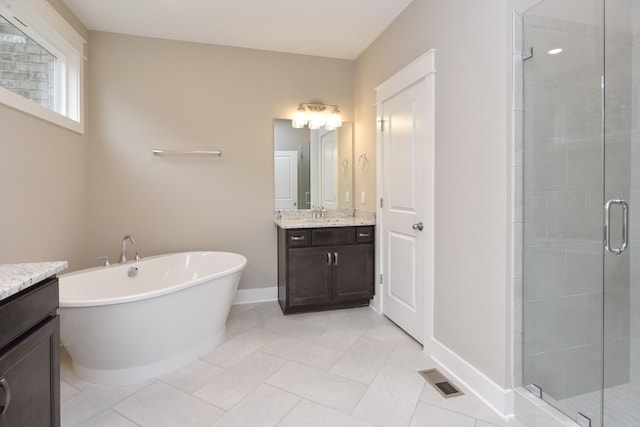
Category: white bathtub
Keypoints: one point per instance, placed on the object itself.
(122, 330)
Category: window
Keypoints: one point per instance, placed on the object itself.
(27, 68)
(41, 62)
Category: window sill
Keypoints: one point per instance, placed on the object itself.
(20, 103)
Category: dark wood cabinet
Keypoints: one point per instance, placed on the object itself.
(325, 268)
(30, 357)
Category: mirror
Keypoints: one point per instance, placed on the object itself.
(312, 167)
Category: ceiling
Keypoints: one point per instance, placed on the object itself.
(329, 28)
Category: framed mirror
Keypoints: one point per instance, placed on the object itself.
(312, 168)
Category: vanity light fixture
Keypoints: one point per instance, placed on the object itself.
(316, 116)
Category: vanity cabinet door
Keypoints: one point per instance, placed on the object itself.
(29, 379)
(353, 272)
(309, 276)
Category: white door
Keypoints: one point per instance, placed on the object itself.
(328, 170)
(405, 107)
(285, 164)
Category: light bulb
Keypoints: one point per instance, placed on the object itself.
(334, 121)
(299, 118)
(316, 121)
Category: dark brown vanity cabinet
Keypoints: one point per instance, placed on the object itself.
(325, 268)
(30, 357)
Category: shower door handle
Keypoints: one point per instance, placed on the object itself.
(625, 226)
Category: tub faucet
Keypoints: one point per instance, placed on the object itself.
(123, 255)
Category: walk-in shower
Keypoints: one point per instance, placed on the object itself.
(581, 271)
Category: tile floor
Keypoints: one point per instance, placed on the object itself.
(346, 368)
(620, 402)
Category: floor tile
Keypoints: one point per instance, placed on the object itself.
(321, 387)
(238, 309)
(162, 405)
(239, 347)
(342, 368)
(430, 416)
(325, 319)
(193, 376)
(306, 353)
(285, 326)
(389, 332)
(92, 400)
(411, 356)
(233, 385)
(391, 398)
(265, 406)
(67, 390)
(363, 360)
(271, 308)
(311, 414)
(238, 323)
(108, 418)
(344, 333)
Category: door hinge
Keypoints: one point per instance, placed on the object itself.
(381, 124)
(381, 202)
(381, 279)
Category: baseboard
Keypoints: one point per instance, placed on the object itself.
(497, 398)
(248, 296)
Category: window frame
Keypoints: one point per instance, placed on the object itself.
(44, 25)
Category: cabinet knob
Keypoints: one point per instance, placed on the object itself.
(7, 395)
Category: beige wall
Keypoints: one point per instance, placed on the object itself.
(472, 194)
(150, 93)
(42, 183)
(43, 188)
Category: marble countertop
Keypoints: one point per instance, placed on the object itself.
(16, 277)
(323, 222)
(332, 218)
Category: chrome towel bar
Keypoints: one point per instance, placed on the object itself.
(159, 152)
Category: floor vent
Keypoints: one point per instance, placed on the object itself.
(440, 383)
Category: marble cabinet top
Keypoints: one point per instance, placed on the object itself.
(324, 222)
(16, 277)
(332, 218)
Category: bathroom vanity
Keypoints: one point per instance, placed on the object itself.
(325, 264)
(29, 344)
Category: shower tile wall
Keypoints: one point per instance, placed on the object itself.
(563, 210)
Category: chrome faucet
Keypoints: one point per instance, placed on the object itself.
(123, 255)
(317, 212)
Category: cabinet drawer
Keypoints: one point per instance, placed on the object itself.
(25, 309)
(332, 236)
(299, 238)
(364, 234)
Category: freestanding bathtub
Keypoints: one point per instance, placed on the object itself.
(122, 330)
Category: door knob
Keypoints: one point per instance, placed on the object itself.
(418, 226)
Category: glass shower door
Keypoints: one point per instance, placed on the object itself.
(621, 382)
(581, 326)
(564, 159)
